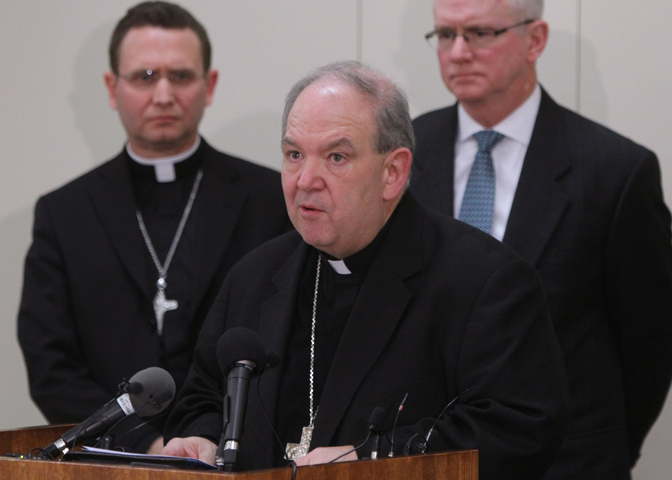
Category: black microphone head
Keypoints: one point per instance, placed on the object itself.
(238, 344)
(133, 387)
(377, 418)
(158, 390)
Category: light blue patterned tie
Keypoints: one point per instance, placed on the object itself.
(479, 196)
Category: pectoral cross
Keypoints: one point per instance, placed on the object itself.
(298, 450)
(161, 304)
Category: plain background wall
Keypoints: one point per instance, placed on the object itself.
(607, 59)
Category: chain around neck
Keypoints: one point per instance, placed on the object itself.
(163, 269)
(312, 339)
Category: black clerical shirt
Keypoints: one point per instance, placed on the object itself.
(162, 205)
(336, 296)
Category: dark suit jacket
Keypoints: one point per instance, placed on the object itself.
(86, 318)
(588, 213)
(442, 309)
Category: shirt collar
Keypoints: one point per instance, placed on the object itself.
(164, 167)
(339, 267)
(517, 126)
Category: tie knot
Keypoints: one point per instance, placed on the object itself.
(487, 139)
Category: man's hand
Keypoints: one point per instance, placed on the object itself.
(155, 447)
(192, 447)
(327, 454)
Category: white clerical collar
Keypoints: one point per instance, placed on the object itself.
(164, 168)
(339, 267)
(517, 126)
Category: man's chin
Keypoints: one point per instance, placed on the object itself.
(168, 142)
(468, 95)
(315, 239)
(467, 88)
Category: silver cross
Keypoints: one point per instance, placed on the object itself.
(298, 450)
(161, 304)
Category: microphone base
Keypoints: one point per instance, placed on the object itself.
(227, 461)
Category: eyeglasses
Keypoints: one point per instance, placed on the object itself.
(477, 37)
(145, 79)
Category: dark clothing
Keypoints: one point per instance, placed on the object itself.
(86, 318)
(443, 309)
(162, 205)
(336, 297)
(589, 214)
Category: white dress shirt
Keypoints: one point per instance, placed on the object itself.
(508, 156)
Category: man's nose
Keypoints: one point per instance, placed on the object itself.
(164, 92)
(310, 177)
(460, 49)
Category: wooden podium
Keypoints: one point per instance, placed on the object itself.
(455, 465)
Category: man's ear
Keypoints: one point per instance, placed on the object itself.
(396, 170)
(210, 84)
(538, 40)
(111, 85)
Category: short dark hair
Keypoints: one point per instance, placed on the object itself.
(162, 15)
(388, 101)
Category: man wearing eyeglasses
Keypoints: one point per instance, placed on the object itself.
(127, 259)
(578, 201)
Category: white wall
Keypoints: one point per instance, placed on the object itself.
(608, 59)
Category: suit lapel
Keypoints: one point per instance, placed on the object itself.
(220, 201)
(113, 200)
(437, 174)
(380, 304)
(277, 316)
(275, 324)
(539, 201)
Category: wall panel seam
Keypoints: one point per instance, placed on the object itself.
(579, 13)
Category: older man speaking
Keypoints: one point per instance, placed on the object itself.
(374, 297)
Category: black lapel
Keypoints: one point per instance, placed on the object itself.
(539, 201)
(113, 200)
(221, 198)
(379, 307)
(275, 324)
(434, 162)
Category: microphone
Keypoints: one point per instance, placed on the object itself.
(376, 418)
(422, 444)
(241, 355)
(394, 426)
(147, 393)
(375, 421)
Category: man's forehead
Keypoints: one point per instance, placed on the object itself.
(342, 142)
(472, 11)
(150, 44)
(332, 114)
(325, 89)
(331, 100)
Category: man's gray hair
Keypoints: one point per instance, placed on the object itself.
(390, 107)
(528, 8)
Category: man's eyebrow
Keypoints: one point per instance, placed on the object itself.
(341, 142)
(472, 26)
(288, 141)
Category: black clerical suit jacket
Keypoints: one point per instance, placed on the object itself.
(86, 318)
(588, 213)
(443, 310)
